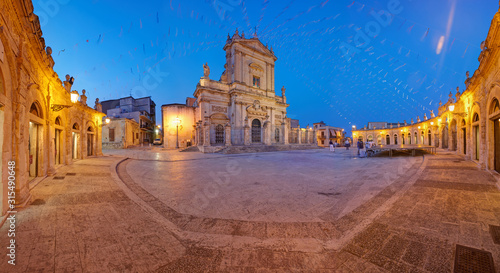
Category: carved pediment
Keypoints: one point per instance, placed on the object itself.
(257, 46)
(256, 110)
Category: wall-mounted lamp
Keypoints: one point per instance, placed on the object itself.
(451, 107)
(74, 99)
(107, 120)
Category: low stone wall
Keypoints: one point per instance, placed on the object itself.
(112, 145)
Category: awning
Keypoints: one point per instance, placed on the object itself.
(333, 132)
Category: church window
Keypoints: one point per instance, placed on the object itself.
(277, 135)
(256, 81)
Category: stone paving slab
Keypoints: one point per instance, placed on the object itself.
(105, 219)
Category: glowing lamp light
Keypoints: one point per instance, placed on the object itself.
(418, 127)
(451, 108)
(439, 120)
(159, 126)
(156, 131)
(107, 120)
(74, 96)
(432, 122)
(354, 127)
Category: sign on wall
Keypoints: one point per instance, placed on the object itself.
(220, 109)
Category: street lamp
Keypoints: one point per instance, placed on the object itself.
(107, 120)
(177, 121)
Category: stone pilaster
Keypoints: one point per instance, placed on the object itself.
(206, 134)
(285, 134)
(299, 135)
(228, 135)
(246, 134)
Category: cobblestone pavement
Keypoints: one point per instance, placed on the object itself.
(112, 214)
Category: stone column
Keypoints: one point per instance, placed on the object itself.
(246, 134)
(285, 133)
(299, 135)
(228, 135)
(206, 134)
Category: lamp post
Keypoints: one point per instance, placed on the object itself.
(177, 121)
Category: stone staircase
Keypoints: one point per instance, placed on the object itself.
(190, 149)
(264, 148)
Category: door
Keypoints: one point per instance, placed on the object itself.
(256, 131)
(74, 145)
(57, 145)
(476, 142)
(464, 134)
(496, 128)
(90, 144)
(33, 149)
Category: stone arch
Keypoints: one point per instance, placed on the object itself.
(75, 126)
(58, 121)
(395, 139)
(36, 109)
(493, 132)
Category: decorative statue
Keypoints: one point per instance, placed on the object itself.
(98, 106)
(68, 83)
(206, 71)
(283, 89)
(467, 80)
(83, 97)
(432, 114)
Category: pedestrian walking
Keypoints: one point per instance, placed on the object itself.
(360, 146)
(332, 148)
(347, 144)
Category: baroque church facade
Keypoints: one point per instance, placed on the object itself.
(241, 108)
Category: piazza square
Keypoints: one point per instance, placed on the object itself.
(230, 136)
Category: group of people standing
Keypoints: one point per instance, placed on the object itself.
(347, 144)
(360, 145)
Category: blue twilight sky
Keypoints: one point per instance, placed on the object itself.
(338, 63)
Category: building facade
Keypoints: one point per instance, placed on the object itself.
(469, 122)
(120, 133)
(142, 110)
(41, 128)
(241, 108)
(325, 134)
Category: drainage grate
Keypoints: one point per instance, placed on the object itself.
(38, 202)
(495, 234)
(469, 259)
(329, 193)
(71, 174)
(58, 178)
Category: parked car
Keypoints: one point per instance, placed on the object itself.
(157, 141)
